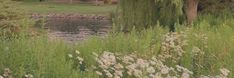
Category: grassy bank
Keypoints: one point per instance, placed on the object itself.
(44, 58)
(48, 7)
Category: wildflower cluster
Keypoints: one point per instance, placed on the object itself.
(8, 74)
(197, 51)
(172, 46)
(150, 68)
(77, 57)
(28, 76)
(202, 38)
(108, 65)
(78, 60)
(112, 65)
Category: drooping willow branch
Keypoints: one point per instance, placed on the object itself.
(146, 13)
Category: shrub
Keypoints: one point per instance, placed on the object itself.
(12, 18)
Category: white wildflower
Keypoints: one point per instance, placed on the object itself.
(182, 69)
(98, 73)
(95, 54)
(158, 75)
(118, 66)
(128, 59)
(185, 75)
(7, 72)
(150, 70)
(28, 76)
(131, 68)
(151, 76)
(197, 51)
(109, 75)
(165, 70)
(137, 73)
(77, 52)
(80, 59)
(70, 55)
(142, 63)
(152, 62)
(117, 77)
(118, 73)
(224, 71)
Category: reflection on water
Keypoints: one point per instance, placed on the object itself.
(73, 28)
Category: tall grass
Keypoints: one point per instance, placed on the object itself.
(36, 56)
(44, 58)
(218, 50)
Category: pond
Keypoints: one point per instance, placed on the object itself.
(74, 27)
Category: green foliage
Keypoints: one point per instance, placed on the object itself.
(143, 43)
(143, 14)
(147, 43)
(132, 13)
(11, 18)
(215, 6)
(170, 12)
(45, 58)
(218, 32)
(39, 57)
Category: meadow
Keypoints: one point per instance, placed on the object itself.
(203, 49)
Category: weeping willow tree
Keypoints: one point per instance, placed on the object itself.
(146, 13)
(169, 12)
(135, 13)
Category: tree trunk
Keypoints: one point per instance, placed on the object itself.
(191, 10)
(71, 1)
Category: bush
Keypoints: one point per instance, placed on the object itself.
(12, 18)
(214, 6)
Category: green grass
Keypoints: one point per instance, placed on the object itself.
(39, 57)
(219, 54)
(49, 59)
(47, 7)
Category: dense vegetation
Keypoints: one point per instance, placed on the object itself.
(43, 58)
(203, 50)
(143, 14)
(12, 19)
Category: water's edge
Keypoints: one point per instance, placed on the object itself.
(73, 27)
